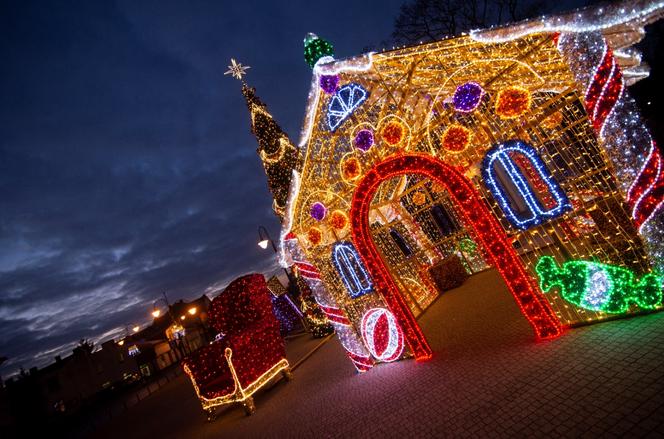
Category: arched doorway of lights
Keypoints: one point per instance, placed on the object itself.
(488, 232)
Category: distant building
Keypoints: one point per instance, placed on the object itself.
(66, 384)
(173, 335)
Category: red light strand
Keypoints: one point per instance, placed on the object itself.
(646, 195)
(489, 233)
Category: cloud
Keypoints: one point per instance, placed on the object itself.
(127, 167)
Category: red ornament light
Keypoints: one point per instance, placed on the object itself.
(536, 180)
(382, 334)
(489, 234)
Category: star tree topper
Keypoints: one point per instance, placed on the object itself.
(236, 69)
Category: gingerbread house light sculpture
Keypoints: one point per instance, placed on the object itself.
(516, 148)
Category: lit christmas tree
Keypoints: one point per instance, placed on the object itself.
(315, 319)
(280, 158)
(275, 149)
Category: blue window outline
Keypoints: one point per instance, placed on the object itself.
(538, 213)
(343, 103)
(351, 269)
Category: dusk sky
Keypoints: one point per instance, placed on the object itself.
(127, 166)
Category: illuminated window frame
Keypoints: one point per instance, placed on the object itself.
(346, 260)
(538, 212)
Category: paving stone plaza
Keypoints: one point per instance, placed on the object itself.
(488, 378)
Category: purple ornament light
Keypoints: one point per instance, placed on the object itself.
(467, 97)
(318, 211)
(364, 139)
(329, 83)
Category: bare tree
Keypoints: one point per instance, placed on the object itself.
(430, 20)
(85, 345)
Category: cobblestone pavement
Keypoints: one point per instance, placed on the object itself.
(488, 378)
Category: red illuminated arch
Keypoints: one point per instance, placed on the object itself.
(488, 231)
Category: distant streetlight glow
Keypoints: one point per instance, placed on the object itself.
(181, 317)
(136, 328)
(156, 313)
(192, 310)
(263, 244)
(121, 342)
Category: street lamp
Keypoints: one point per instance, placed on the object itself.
(265, 239)
(199, 323)
(156, 312)
(136, 328)
(126, 334)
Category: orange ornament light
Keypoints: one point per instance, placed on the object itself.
(351, 169)
(314, 235)
(512, 102)
(338, 220)
(419, 198)
(553, 120)
(392, 133)
(456, 139)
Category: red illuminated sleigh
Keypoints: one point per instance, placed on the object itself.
(250, 353)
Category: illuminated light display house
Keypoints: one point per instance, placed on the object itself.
(516, 148)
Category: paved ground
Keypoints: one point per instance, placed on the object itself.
(488, 378)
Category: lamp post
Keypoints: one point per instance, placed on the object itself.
(121, 342)
(195, 315)
(265, 240)
(156, 313)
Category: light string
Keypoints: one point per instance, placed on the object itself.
(345, 332)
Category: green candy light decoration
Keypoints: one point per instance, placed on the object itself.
(599, 287)
(315, 48)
